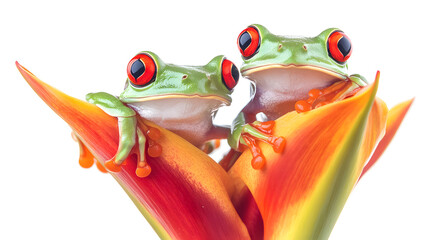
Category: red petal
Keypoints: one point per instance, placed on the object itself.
(185, 197)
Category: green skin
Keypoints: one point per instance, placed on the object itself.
(183, 99)
(284, 70)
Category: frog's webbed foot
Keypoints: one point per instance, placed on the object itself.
(260, 131)
(248, 134)
(337, 91)
(146, 140)
(86, 159)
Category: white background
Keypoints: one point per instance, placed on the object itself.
(84, 46)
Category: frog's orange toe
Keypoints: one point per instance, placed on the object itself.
(154, 150)
(143, 171)
(153, 133)
(258, 162)
(100, 167)
(278, 144)
(302, 106)
(315, 93)
(86, 162)
(112, 166)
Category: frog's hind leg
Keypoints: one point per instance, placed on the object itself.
(86, 158)
(147, 140)
(143, 169)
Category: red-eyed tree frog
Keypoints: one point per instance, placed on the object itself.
(286, 70)
(182, 99)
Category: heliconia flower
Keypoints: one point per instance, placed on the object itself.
(186, 196)
(297, 195)
(394, 120)
(302, 191)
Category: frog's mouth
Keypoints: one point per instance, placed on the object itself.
(223, 101)
(292, 81)
(251, 70)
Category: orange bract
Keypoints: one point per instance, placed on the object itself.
(183, 180)
(297, 194)
(306, 186)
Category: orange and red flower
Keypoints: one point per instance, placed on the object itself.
(299, 194)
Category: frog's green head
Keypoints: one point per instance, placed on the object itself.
(325, 54)
(149, 78)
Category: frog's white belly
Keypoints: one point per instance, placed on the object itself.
(278, 89)
(190, 118)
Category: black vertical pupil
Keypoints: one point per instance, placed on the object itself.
(234, 72)
(344, 46)
(137, 69)
(245, 40)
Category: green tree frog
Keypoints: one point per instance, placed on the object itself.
(286, 70)
(182, 99)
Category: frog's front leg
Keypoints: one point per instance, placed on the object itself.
(247, 134)
(127, 124)
(335, 92)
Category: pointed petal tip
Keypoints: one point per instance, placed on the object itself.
(376, 81)
(21, 68)
(394, 119)
(31, 79)
(409, 102)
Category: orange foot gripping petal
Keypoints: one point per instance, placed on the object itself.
(152, 148)
(262, 131)
(86, 159)
(321, 97)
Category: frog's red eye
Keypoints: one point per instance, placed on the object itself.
(248, 42)
(339, 47)
(141, 70)
(230, 74)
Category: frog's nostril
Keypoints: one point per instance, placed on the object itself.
(279, 47)
(304, 47)
(185, 76)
